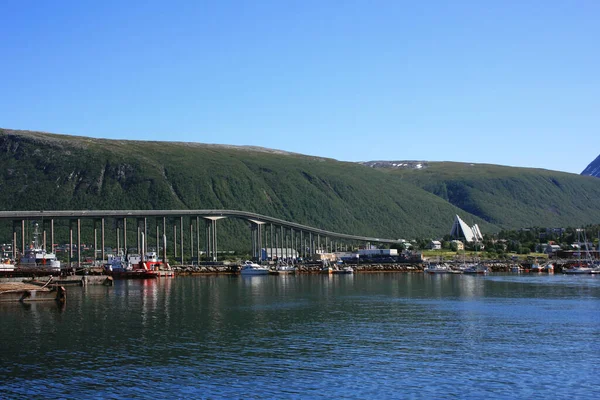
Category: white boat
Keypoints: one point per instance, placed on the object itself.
(583, 267)
(285, 269)
(438, 269)
(117, 263)
(250, 268)
(549, 268)
(478, 269)
(578, 270)
(536, 267)
(516, 269)
(37, 258)
(6, 265)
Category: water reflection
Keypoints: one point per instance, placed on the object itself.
(346, 336)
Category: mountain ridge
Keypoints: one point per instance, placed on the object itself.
(76, 172)
(593, 169)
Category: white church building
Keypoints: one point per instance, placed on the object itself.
(461, 230)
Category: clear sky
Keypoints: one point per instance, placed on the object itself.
(502, 82)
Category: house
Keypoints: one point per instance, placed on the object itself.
(552, 249)
(435, 245)
(458, 245)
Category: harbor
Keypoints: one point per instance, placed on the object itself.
(308, 335)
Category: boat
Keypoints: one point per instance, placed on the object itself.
(581, 267)
(151, 262)
(438, 269)
(250, 268)
(36, 258)
(120, 268)
(536, 267)
(578, 269)
(285, 269)
(516, 269)
(7, 265)
(27, 292)
(548, 268)
(344, 270)
(326, 267)
(478, 269)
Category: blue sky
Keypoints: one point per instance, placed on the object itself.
(502, 82)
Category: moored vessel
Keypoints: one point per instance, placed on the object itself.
(250, 268)
(438, 269)
(121, 268)
(285, 269)
(37, 259)
(477, 269)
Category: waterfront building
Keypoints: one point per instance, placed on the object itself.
(377, 252)
(278, 253)
(460, 230)
(457, 245)
(435, 245)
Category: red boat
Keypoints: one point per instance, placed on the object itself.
(120, 268)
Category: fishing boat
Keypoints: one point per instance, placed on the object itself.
(250, 268)
(121, 268)
(7, 265)
(581, 267)
(151, 262)
(477, 269)
(285, 269)
(438, 269)
(535, 267)
(517, 269)
(326, 268)
(548, 268)
(36, 258)
(344, 270)
(577, 269)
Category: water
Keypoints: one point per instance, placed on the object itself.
(393, 335)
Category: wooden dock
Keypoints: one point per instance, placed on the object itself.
(27, 292)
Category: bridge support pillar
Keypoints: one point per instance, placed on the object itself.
(78, 242)
(102, 240)
(52, 235)
(125, 237)
(95, 222)
(257, 237)
(22, 236)
(191, 240)
(198, 238)
(164, 230)
(211, 237)
(70, 242)
(181, 238)
(14, 241)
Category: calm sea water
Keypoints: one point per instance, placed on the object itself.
(366, 336)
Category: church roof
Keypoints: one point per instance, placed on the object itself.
(460, 229)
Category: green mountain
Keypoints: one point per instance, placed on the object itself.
(506, 197)
(42, 171)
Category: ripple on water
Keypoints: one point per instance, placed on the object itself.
(391, 336)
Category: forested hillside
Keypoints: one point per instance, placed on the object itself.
(45, 171)
(42, 171)
(507, 197)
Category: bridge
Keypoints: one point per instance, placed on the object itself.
(268, 232)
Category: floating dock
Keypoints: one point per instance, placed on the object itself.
(27, 292)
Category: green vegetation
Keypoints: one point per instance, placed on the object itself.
(45, 171)
(510, 197)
